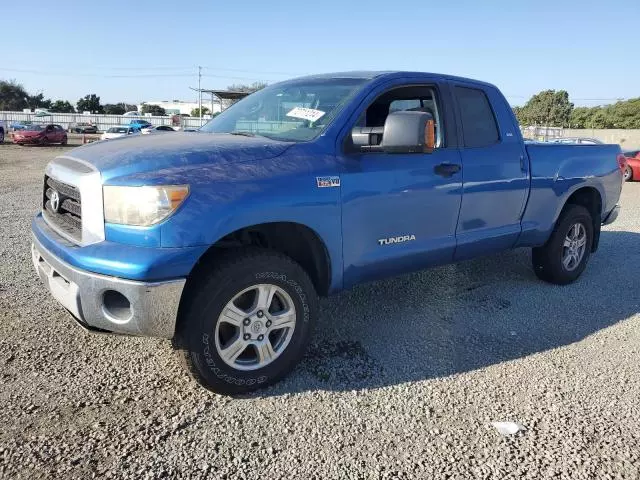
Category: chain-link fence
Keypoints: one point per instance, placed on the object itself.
(102, 122)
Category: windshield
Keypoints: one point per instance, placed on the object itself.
(117, 130)
(34, 128)
(296, 111)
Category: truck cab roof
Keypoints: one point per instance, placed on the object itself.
(390, 75)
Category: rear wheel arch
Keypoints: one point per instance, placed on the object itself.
(591, 199)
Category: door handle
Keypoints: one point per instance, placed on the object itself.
(522, 166)
(446, 169)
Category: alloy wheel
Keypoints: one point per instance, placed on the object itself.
(255, 327)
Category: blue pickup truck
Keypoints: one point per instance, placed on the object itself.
(222, 239)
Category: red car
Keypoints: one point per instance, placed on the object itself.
(40, 135)
(632, 171)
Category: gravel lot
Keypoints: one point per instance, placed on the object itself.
(402, 380)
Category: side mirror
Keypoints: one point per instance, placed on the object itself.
(367, 139)
(409, 132)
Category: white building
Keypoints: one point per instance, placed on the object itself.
(177, 107)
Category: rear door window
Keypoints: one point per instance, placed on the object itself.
(479, 127)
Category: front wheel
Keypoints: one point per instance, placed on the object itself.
(565, 255)
(248, 323)
(628, 174)
(64, 140)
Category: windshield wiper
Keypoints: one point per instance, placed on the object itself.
(244, 134)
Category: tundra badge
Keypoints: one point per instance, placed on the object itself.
(400, 239)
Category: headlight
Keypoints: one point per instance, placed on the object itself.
(142, 206)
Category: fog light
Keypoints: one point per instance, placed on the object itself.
(116, 306)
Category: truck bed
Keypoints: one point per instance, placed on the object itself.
(557, 170)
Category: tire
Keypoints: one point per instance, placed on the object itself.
(628, 174)
(203, 335)
(64, 140)
(1, 135)
(547, 260)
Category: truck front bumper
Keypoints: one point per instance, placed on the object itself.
(110, 304)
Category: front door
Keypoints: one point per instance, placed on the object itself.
(399, 211)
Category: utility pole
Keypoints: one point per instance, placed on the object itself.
(200, 93)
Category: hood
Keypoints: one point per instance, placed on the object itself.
(135, 154)
(30, 133)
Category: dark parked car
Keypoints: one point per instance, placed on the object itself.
(40, 135)
(83, 127)
(158, 129)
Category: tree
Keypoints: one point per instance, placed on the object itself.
(580, 117)
(196, 111)
(600, 118)
(13, 96)
(90, 103)
(517, 111)
(625, 114)
(622, 114)
(240, 87)
(549, 108)
(119, 108)
(62, 106)
(155, 110)
(114, 108)
(38, 101)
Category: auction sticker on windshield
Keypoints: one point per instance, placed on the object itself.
(310, 114)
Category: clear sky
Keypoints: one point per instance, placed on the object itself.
(133, 51)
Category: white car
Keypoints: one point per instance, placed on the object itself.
(117, 132)
(132, 113)
(158, 129)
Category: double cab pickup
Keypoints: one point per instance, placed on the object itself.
(222, 239)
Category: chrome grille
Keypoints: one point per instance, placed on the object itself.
(68, 217)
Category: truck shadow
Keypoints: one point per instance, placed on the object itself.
(463, 317)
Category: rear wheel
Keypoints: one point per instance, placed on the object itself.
(565, 255)
(64, 140)
(1, 135)
(628, 174)
(248, 323)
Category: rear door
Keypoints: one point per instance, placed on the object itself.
(50, 133)
(495, 172)
(58, 132)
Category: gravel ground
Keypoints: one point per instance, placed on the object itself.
(403, 378)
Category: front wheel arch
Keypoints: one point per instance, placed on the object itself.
(197, 332)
